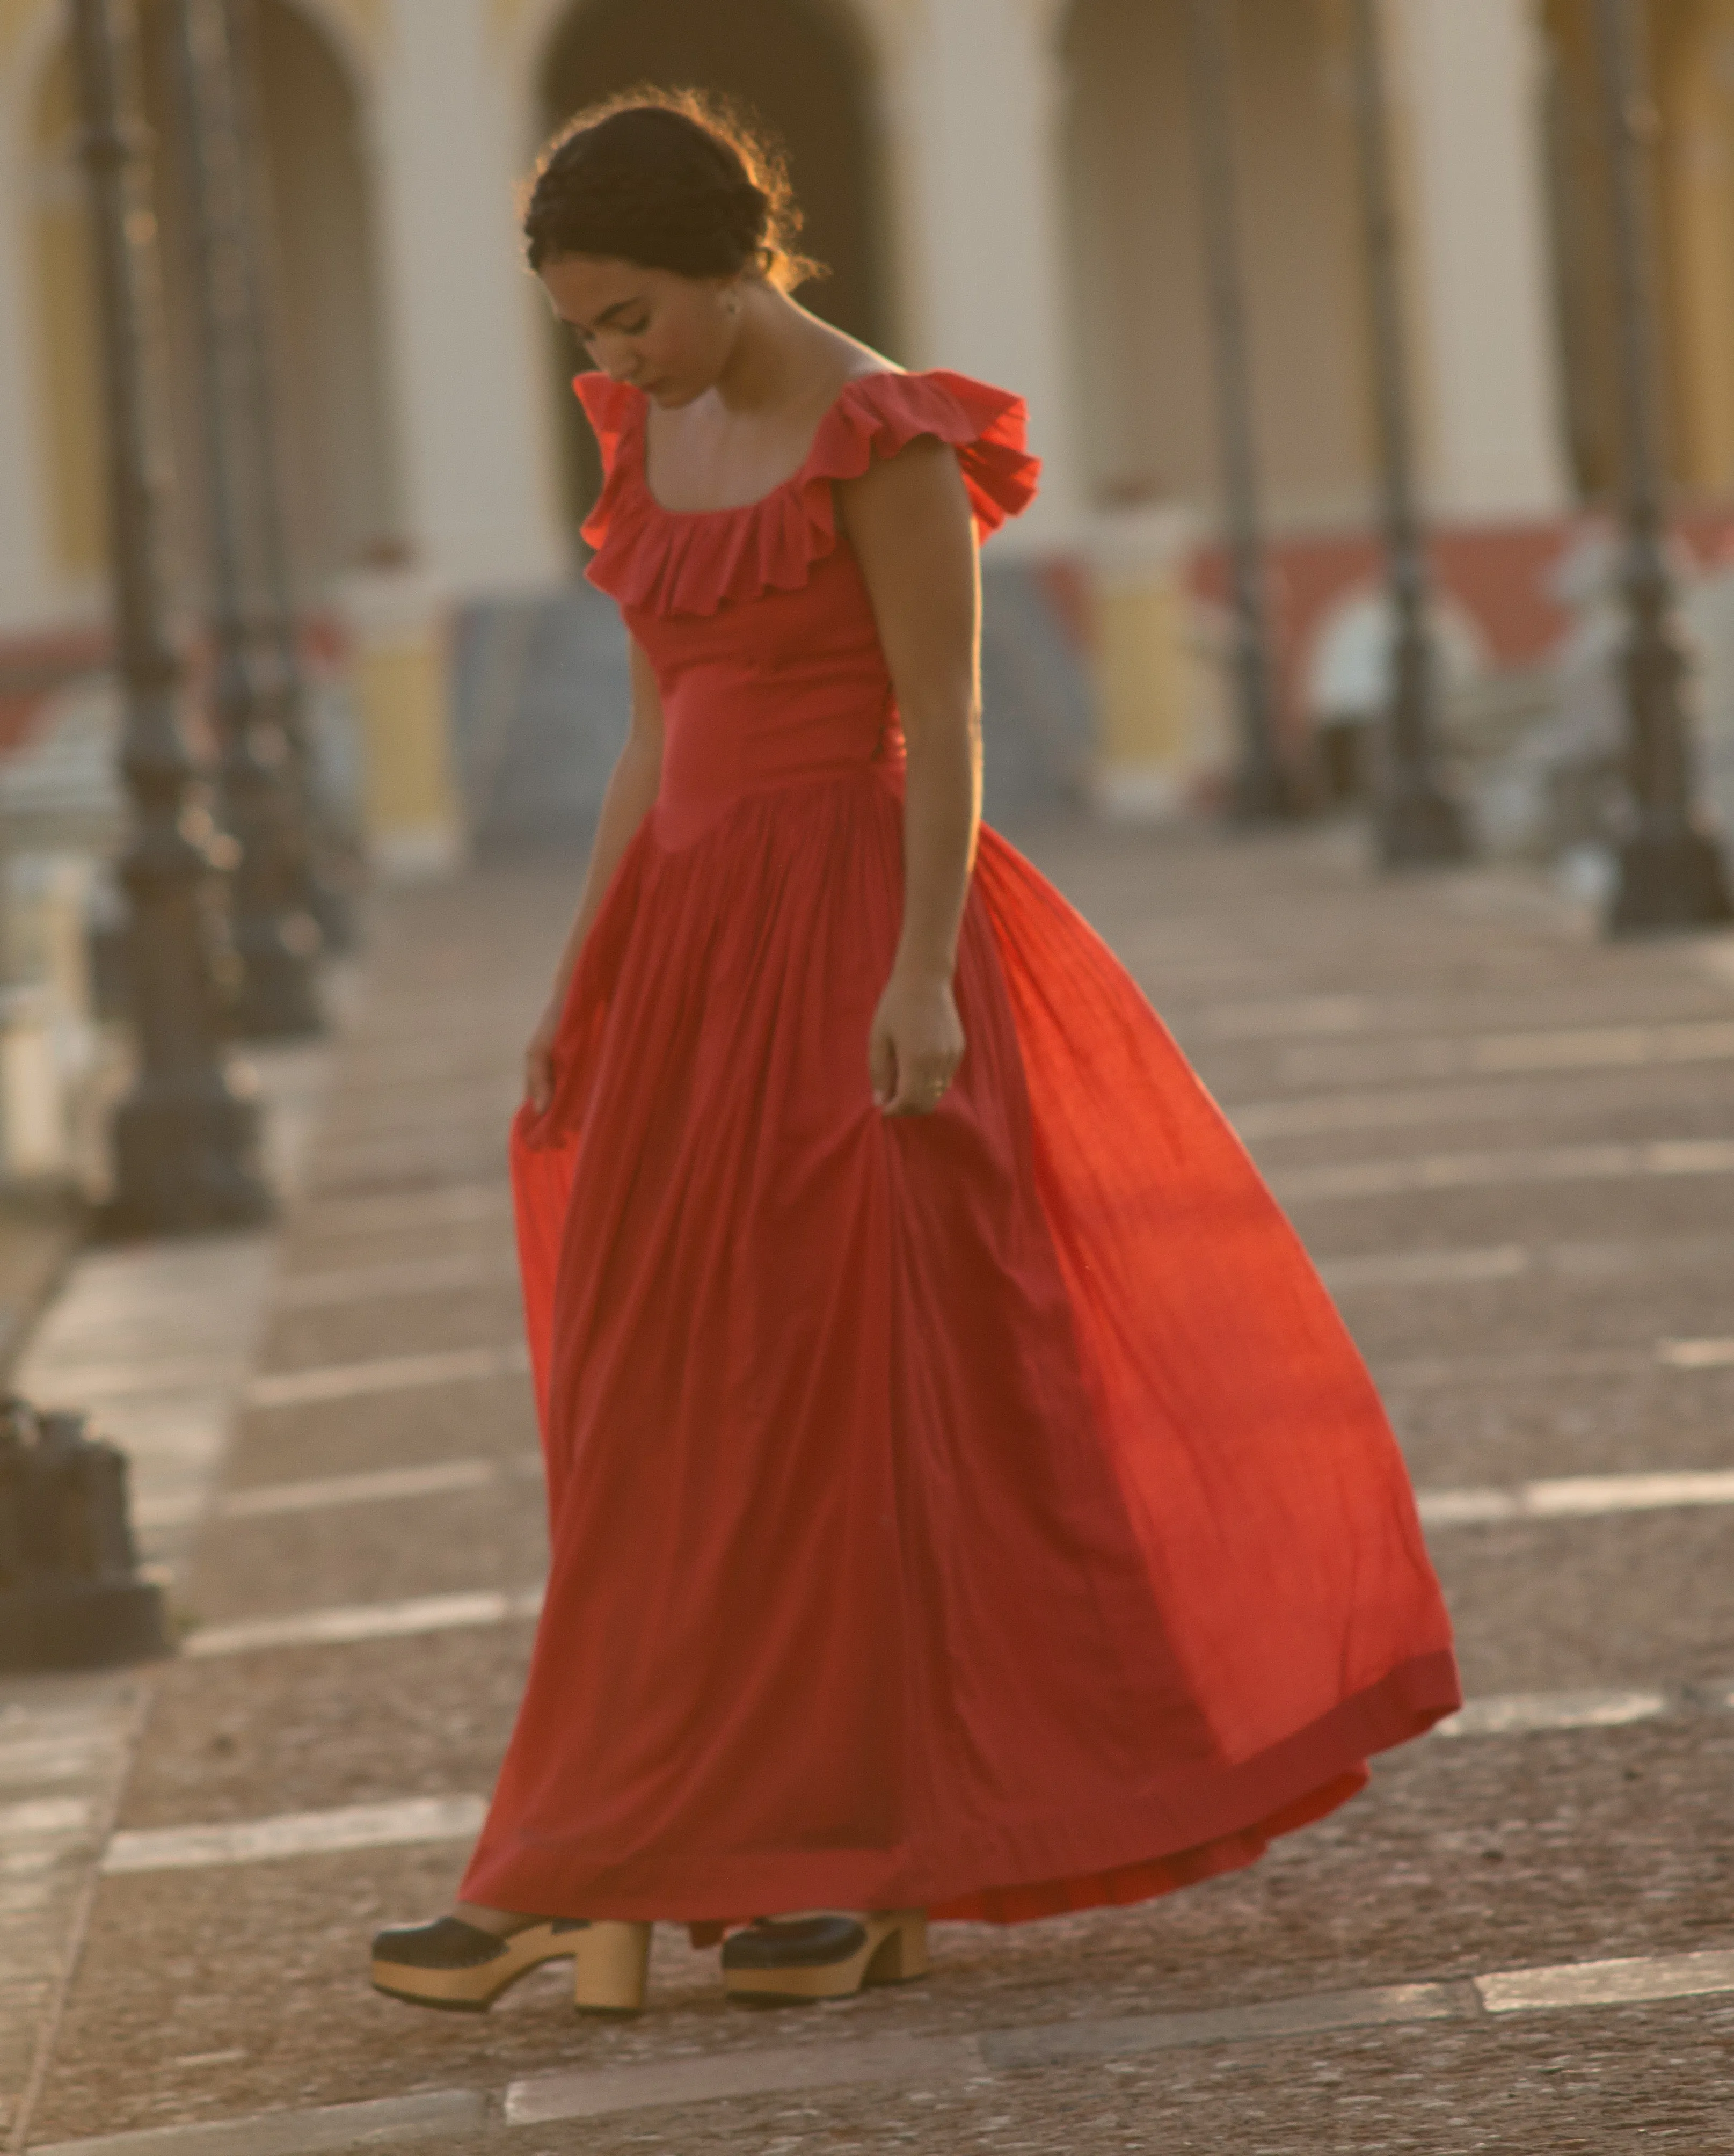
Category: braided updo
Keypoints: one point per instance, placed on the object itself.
(669, 180)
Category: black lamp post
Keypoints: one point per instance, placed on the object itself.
(186, 1138)
(1262, 789)
(1671, 872)
(1418, 822)
(286, 681)
(277, 940)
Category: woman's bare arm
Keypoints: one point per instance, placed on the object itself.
(631, 789)
(909, 522)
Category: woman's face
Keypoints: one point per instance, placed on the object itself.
(667, 335)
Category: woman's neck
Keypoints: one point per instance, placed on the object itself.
(782, 356)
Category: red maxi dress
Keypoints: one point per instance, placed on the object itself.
(984, 1512)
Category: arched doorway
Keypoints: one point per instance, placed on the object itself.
(797, 66)
(1691, 58)
(341, 483)
(1143, 362)
(344, 494)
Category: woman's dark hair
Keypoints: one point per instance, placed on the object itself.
(669, 179)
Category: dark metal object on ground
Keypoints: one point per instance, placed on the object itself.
(1263, 790)
(70, 1597)
(276, 940)
(186, 1140)
(1671, 871)
(1418, 822)
(283, 679)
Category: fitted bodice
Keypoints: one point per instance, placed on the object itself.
(756, 621)
(767, 692)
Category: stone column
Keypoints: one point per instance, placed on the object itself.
(480, 470)
(1467, 73)
(978, 109)
(27, 570)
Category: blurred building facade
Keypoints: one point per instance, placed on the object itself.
(1005, 187)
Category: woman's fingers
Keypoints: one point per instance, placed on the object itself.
(922, 1084)
(882, 1066)
(538, 1080)
(539, 1062)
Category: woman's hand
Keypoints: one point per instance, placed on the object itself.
(914, 1045)
(539, 1059)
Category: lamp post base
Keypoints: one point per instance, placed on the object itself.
(82, 1625)
(334, 909)
(1420, 827)
(276, 997)
(1264, 794)
(185, 1163)
(1669, 880)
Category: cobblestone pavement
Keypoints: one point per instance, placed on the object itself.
(1511, 1146)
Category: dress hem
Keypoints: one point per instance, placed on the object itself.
(1209, 1819)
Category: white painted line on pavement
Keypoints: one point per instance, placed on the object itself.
(1426, 1268)
(1605, 1048)
(392, 1374)
(124, 1377)
(1545, 1048)
(1471, 1171)
(429, 1106)
(1697, 1354)
(35, 1815)
(297, 1833)
(1401, 1108)
(1577, 1497)
(1606, 1983)
(544, 2099)
(1423, 1375)
(364, 1621)
(1390, 1056)
(1525, 1714)
(382, 1485)
(341, 2128)
(1275, 1017)
(348, 1284)
(445, 1205)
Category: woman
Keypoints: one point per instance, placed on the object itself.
(965, 1499)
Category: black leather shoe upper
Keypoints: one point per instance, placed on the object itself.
(794, 1942)
(447, 1943)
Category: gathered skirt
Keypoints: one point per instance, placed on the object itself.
(985, 1512)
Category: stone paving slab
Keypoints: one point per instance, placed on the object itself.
(496, 1417)
(483, 1314)
(1507, 1433)
(1485, 1851)
(963, 2089)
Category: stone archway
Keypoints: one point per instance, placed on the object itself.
(344, 486)
(1143, 363)
(798, 67)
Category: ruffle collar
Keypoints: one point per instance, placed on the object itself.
(669, 562)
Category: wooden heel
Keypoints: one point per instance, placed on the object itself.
(611, 1962)
(782, 1960)
(901, 1955)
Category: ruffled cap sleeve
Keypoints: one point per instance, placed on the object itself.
(614, 411)
(878, 414)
